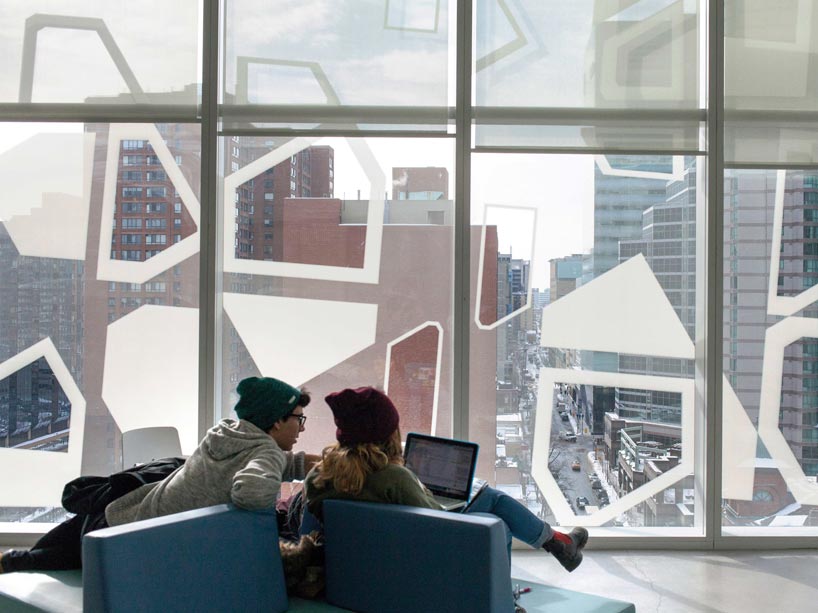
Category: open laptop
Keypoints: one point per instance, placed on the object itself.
(444, 466)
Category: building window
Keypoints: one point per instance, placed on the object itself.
(155, 192)
(156, 175)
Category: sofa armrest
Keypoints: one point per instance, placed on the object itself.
(216, 559)
(382, 557)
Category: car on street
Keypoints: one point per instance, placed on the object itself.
(564, 416)
(597, 485)
(582, 502)
(568, 436)
(575, 465)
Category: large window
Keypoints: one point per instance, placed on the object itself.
(587, 287)
(340, 282)
(567, 239)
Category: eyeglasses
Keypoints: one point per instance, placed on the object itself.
(301, 419)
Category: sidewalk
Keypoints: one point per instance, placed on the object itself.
(612, 495)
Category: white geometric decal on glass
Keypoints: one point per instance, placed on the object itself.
(374, 221)
(403, 337)
(563, 513)
(639, 319)
(38, 22)
(739, 438)
(755, 62)
(777, 338)
(307, 77)
(676, 173)
(524, 224)
(32, 478)
(138, 272)
(783, 305)
(632, 39)
(152, 371)
(412, 15)
(46, 191)
(512, 39)
(296, 339)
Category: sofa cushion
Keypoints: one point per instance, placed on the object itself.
(383, 557)
(216, 559)
(55, 592)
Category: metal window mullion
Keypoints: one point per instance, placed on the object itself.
(545, 149)
(208, 225)
(462, 216)
(524, 115)
(330, 114)
(82, 112)
(714, 276)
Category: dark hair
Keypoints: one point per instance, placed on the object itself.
(304, 400)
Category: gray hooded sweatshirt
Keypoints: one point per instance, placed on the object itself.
(236, 462)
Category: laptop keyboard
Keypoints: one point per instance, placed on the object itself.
(449, 502)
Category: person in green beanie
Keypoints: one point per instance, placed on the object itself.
(241, 461)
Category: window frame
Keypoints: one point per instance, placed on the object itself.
(207, 116)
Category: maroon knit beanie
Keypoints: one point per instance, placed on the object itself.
(362, 415)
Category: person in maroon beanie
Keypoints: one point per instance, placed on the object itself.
(367, 464)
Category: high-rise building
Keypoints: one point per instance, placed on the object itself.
(39, 298)
(505, 370)
(749, 197)
(668, 244)
(619, 202)
(411, 290)
(564, 276)
(306, 174)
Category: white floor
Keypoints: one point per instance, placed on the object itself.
(683, 582)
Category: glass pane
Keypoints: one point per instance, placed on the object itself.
(338, 271)
(770, 398)
(88, 301)
(364, 53)
(594, 419)
(769, 67)
(145, 52)
(597, 56)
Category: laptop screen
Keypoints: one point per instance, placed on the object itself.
(443, 465)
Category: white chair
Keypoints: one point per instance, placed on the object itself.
(145, 444)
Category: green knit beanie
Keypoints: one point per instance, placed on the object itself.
(264, 400)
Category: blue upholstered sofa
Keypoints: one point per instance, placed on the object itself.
(379, 558)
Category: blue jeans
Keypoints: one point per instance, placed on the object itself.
(520, 522)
